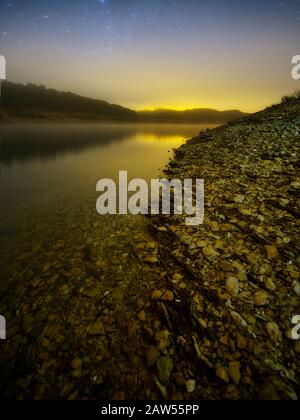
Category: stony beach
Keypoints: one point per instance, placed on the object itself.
(203, 313)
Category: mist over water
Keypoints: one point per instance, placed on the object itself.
(49, 176)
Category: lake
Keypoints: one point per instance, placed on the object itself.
(75, 286)
(48, 187)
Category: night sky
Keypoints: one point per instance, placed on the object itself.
(155, 53)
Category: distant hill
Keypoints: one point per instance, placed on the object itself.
(37, 102)
(32, 101)
(192, 115)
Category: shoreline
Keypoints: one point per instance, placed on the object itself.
(239, 272)
(161, 311)
(104, 122)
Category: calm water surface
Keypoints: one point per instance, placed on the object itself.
(48, 178)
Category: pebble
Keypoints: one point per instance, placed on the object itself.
(76, 363)
(272, 251)
(222, 373)
(274, 332)
(152, 355)
(261, 298)
(190, 386)
(96, 329)
(165, 367)
(233, 287)
(234, 372)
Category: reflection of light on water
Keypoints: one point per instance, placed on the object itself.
(156, 138)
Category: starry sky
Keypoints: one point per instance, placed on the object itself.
(147, 54)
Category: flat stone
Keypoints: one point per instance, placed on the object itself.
(165, 366)
(261, 298)
(272, 251)
(152, 355)
(96, 329)
(232, 286)
(234, 372)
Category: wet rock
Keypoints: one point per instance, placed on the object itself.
(142, 316)
(297, 347)
(151, 355)
(150, 259)
(242, 342)
(274, 333)
(96, 329)
(165, 367)
(163, 340)
(157, 294)
(76, 363)
(238, 319)
(190, 386)
(272, 251)
(91, 292)
(210, 253)
(234, 372)
(186, 240)
(261, 298)
(168, 296)
(28, 323)
(239, 199)
(232, 286)
(222, 373)
(77, 373)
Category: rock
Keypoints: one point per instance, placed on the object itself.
(190, 386)
(274, 333)
(91, 292)
(261, 298)
(163, 229)
(150, 259)
(66, 390)
(240, 322)
(242, 343)
(210, 253)
(162, 338)
(239, 199)
(28, 323)
(297, 288)
(245, 211)
(162, 389)
(76, 363)
(177, 278)
(297, 347)
(232, 286)
(222, 373)
(151, 356)
(269, 393)
(151, 245)
(157, 294)
(234, 372)
(186, 240)
(270, 285)
(272, 251)
(96, 329)
(168, 296)
(142, 316)
(77, 373)
(165, 367)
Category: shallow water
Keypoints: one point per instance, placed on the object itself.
(48, 178)
(74, 284)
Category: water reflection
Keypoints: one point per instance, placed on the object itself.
(27, 141)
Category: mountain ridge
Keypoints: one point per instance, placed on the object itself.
(32, 101)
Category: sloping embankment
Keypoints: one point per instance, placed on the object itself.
(241, 288)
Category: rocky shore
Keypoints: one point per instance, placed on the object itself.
(162, 310)
(239, 284)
